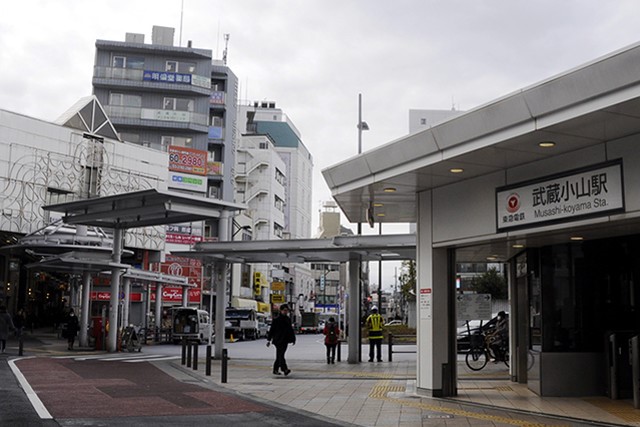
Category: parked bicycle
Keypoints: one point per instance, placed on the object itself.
(482, 348)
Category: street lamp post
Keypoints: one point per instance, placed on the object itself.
(362, 126)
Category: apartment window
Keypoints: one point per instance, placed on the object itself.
(218, 86)
(179, 141)
(277, 229)
(180, 67)
(216, 121)
(279, 204)
(133, 62)
(423, 121)
(263, 145)
(280, 176)
(125, 100)
(178, 104)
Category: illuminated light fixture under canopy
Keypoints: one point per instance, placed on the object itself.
(492, 258)
(517, 246)
(547, 144)
(576, 238)
(456, 170)
(389, 190)
(380, 214)
(378, 205)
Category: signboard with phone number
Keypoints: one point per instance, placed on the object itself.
(187, 160)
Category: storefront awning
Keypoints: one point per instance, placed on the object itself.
(238, 302)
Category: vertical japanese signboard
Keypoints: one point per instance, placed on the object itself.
(426, 303)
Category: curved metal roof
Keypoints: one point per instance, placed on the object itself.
(597, 102)
(392, 247)
(141, 209)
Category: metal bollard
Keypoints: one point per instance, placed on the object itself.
(183, 361)
(224, 366)
(188, 355)
(195, 355)
(390, 347)
(207, 365)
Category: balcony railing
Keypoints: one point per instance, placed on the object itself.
(152, 76)
(115, 111)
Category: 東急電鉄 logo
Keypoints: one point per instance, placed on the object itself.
(513, 202)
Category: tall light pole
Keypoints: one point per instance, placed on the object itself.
(361, 126)
(380, 277)
(357, 302)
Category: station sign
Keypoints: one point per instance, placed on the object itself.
(597, 190)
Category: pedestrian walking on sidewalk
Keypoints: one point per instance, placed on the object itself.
(331, 335)
(72, 329)
(281, 333)
(19, 321)
(6, 324)
(374, 326)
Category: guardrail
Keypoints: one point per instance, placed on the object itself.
(391, 350)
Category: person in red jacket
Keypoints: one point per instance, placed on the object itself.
(331, 337)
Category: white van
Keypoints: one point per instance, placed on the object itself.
(190, 323)
(263, 324)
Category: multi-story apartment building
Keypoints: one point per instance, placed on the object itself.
(261, 179)
(163, 96)
(291, 208)
(180, 100)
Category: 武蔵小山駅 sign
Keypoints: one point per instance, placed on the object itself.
(588, 192)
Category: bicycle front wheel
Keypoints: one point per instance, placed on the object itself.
(476, 359)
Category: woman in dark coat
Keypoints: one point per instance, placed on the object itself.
(73, 327)
(281, 333)
(5, 324)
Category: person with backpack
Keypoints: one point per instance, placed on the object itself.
(331, 337)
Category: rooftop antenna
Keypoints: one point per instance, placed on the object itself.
(226, 45)
(181, 15)
(453, 104)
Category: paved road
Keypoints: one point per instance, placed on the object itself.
(91, 389)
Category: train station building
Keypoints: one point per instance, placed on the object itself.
(546, 180)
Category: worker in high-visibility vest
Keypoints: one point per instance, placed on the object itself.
(374, 325)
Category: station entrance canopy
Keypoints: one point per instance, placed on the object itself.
(394, 247)
(136, 209)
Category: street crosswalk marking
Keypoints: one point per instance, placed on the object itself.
(134, 358)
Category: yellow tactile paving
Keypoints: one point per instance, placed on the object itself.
(381, 390)
(620, 409)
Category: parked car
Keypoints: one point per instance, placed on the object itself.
(263, 325)
(474, 327)
(394, 322)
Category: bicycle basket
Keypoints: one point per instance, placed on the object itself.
(476, 340)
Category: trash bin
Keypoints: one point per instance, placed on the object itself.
(619, 378)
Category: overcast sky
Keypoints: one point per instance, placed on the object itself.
(313, 58)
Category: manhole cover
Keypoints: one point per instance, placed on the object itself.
(439, 416)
